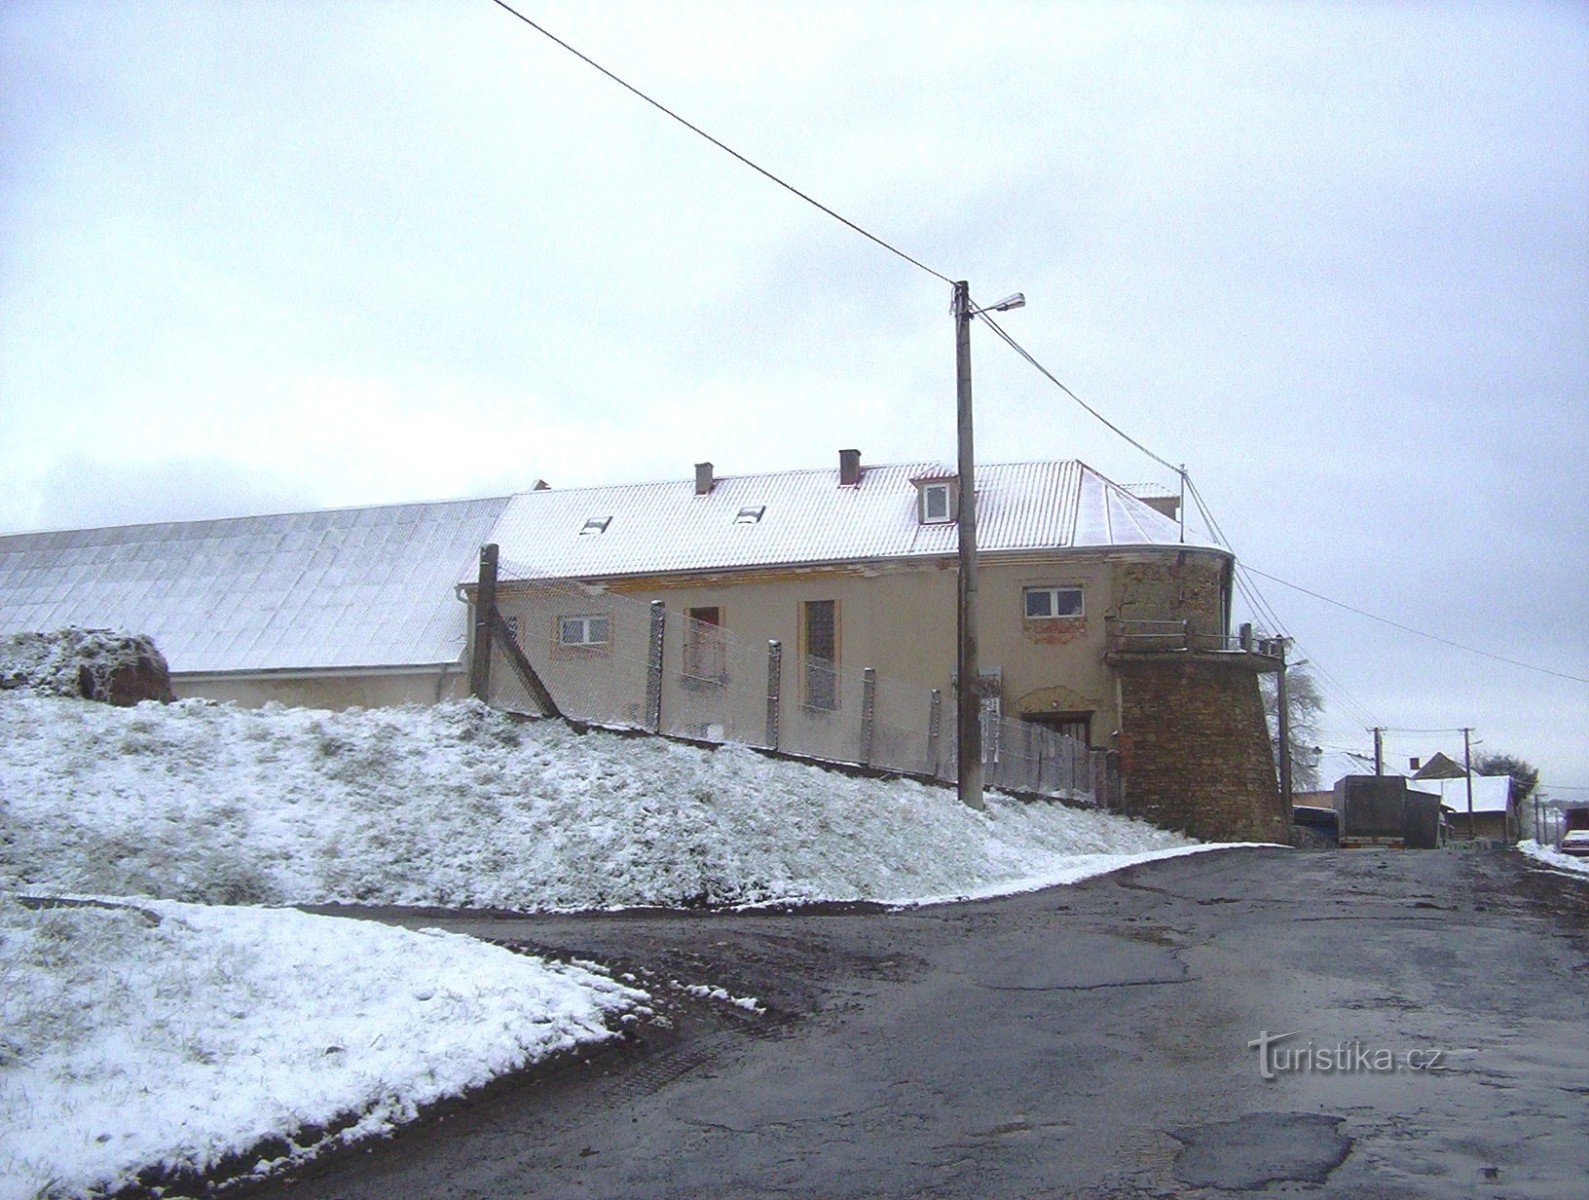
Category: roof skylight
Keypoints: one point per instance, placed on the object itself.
(596, 525)
(750, 515)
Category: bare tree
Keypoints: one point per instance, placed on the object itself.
(1306, 703)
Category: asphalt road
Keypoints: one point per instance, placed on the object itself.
(1090, 1041)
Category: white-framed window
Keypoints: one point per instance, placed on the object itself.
(1045, 602)
(587, 629)
(937, 507)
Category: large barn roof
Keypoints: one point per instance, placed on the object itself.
(340, 589)
(808, 517)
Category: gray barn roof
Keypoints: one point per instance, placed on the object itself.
(342, 589)
(810, 518)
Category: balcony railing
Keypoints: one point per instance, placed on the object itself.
(1162, 637)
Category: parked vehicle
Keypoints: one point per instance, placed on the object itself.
(1576, 843)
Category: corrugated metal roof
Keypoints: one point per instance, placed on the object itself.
(346, 588)
(809, 518)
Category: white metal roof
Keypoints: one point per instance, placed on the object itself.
(808, 517)
(347, 588)
(1490, 792)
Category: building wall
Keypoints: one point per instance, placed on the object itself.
(897, 618)
(1194, 748)
(327, 691)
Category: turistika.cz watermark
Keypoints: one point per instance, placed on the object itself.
(1278, 1055)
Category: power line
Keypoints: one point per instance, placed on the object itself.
(696, 129)
(1433, 637)
(1049, 375)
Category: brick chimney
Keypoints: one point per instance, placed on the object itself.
(849, 468)
(703, 478)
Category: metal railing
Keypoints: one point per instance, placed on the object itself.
(1157, 637)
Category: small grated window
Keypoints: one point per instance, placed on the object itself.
(596, 525)
(749, 516)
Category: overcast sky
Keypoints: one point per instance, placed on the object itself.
(258, 257)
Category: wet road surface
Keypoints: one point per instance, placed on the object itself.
(1090, 1041)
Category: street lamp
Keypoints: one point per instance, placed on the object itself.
(968, 701)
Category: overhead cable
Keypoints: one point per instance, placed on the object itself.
(696, 129)
(1050, 376)
(1433, 637)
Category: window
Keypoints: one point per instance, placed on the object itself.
(595, 525)
(704, 651)
(1043, 602)
(935, 501)
(752, 515)
(587, 630)
(819, 637)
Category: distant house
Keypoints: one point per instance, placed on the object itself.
(1437, 766)
(1094, 618)
(1495, 816)
(352, 606)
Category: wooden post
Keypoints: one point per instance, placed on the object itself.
(968, 700)
(659, 623)
(1467, 765)
(485, 608)
(521, 665)
(774, 690)
(1379, 749)
(868, 714)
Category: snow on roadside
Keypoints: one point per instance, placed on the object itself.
(459, 805)
(1549, 856)
(176, 1035)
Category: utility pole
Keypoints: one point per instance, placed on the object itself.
(1467, 765)
(1283, 702)
(1379, 749)
(968, 700)
(1181, 508)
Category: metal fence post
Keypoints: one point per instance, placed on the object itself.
(774, 687)
(868, 713)
(934, 730)
(659, 624)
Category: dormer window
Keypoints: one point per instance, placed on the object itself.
(935, 501)
(595, 525)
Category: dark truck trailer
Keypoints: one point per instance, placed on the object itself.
(1380, 810)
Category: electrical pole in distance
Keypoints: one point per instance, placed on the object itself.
(1467, 765)
(968, 699)
(1379, 749)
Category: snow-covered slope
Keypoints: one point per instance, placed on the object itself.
(1549, 856)
(171, 1036)
(460, 805)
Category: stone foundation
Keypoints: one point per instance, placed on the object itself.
(1194, 746)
